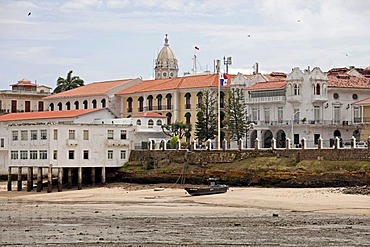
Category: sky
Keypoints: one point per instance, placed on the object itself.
(101, 40)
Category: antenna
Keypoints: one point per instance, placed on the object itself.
(194, 64)
(227, 62)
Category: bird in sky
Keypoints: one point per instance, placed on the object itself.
(29, 13)
(248, 35)
(299, 21)
(346, 55)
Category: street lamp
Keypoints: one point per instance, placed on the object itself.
(292, 132)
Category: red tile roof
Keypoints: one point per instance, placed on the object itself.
(45, 114)
(149, 114)
(347, 81)
(267, 85)
(186, 82)
(95, 88)
(362, 102)
(24, 82)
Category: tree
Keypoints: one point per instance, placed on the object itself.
(236, 115)
(69, 83)
(206, 124)
(178, 129)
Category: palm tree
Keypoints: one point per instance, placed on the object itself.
(69, 83)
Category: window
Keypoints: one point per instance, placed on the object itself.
(150, 102)
(2, 143)
(110, 134)
(86, 154)
(169, 99)
(55, 134)
(71, 135)
(14, 155)
(141, 104)
(316, 112)
(85, 104)
(15, 135)
(187, 101)
(138, 122)
(296, 116)
(33, 135)
(129, 104)
(159, 101)
(43, 134)
(356, 114)
(71, 154)
(317, 91)
(55, 154)
(280, 114)
(296, 89)
(86, 135)
(123, 134)
(33, 154)
(336, 96)
(68, 106)
(354, 96)
(103, 103)
(150, 123)
(159, 122)
(336, 114)
(94, 103)
(110, 154)
(267, 115)
(316, 138)
(255, 114)
(24, 135)
(43, 154)
(24, 154)
(123, 154)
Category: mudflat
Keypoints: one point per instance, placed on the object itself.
(140, 215)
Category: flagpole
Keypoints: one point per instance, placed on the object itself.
(219, 116)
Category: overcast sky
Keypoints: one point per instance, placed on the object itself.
(117, 39)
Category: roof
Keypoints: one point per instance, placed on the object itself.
(186, 82)
(45, 114)
(267, 85)
(347, 81)
(95, 88)
(24, 82)
(362, 102)
(149, 114)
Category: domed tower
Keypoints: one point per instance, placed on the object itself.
(166, 65)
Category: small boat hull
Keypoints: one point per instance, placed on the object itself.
(200, 191)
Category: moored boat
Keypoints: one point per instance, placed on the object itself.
(213, 188)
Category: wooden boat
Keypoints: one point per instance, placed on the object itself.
(213, 188)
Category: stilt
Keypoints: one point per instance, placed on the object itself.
(29, 179)
(39, 179)
(50, 180)
(93, 175)
(103, 175)
(79, 178)
(69, 178)
(19, 185)
(60, 179)
(9, 179)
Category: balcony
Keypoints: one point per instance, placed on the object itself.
(259, 100)
(116, 143)
(294, 98)
(72, 142)
(319, 98)
(310, 123)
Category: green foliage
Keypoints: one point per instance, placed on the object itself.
(173, 142)
(69, 83)
(206, 124)
(178, 129)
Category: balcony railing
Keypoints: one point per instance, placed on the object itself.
(265, 99)
(306, 122)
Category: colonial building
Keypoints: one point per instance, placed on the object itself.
(24, 96)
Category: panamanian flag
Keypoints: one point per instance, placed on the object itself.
(223, 79)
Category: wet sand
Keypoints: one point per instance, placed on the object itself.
(135, 215)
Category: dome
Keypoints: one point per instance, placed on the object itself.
(166, 65)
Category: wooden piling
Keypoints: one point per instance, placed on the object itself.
(19, 184)
(79, 186)
(60, 179)
(39, 179)
(29, 179)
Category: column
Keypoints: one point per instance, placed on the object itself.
(103, 175)
(29, 179)
(50, 180)
(93, 175)
(60, 179)
(79, 186)
(69, 178)
(19, 184)
(9, 179)
(39, 179)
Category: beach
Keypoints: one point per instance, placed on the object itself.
(123, 214)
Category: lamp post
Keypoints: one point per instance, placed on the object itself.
(292, 132)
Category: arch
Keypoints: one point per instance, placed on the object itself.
(60, 106)
(187, 117)
(280, 139)
(51, 106)
(85, 104)
(68, 105)
(150, 123)
(169, 101)
(150, 102)
(159, 101)
(337, 133)
(159, 122)
(77, 105)
(141, 103)
(94, 103)
(129, 104)
(187, 100)
(138, 122)
(356, 134)
(169, 117)
(267, 137)
(296, 89)
(199, 96)
(252, 138)
(103, 103)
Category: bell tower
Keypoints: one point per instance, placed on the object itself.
(166, 65)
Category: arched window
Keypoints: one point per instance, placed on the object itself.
(222, 99)
(169, 99)
(129, 104)
(94, 104)
(318, 89)
(150, 103)
(222, 117)
(60, 106)
(103, 103)
(68, 105)
(138, 122)
(200, 96)
(169, 117)
(187, 117)
(77, 105)
(85, 104)
(159, 101)
(141, 104)
(296, 89)
(150, 123)
(51, 106)
(187, 101)
(159, 122)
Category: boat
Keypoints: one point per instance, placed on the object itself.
(213, 188)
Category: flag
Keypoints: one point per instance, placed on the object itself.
(196, 48)
(223, 79)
